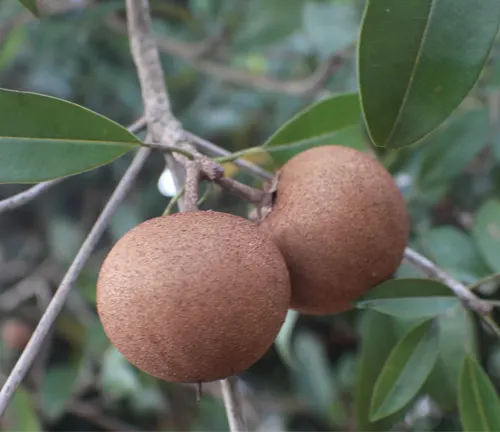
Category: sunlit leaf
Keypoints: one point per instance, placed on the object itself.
(405, 371)
(418, 59)
(334, 120)
(43, 137)
(478, 401)
(486, 232)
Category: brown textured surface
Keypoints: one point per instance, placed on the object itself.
(341, 224)
(194, 296)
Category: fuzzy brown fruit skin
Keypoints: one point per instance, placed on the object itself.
(341, 223)
(193, 297)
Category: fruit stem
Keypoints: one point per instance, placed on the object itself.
(191, 186)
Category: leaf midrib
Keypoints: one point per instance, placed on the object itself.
(413, 72)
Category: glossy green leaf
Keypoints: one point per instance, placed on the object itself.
(486, 231)
(21, 414)
(335, 120)
(457, 337)
(456, 252)
(284, 340)
(411, 298)
(32, 6)
(43, 137)
(405, 371)
(377, 340)
(417, 61)
(408, 287)
(478, 401)
(447, 152)
(56, 388)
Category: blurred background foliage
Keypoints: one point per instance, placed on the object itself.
(236, 71)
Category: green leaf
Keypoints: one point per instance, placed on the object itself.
(417, 61)
(284, 340)
(42, 138)
(486, 231)
(409, 298)
(313, 376)
(447, 152)
(377, 340)
(405, 371)
(478, 402)
(21, 414)
(56, 388)
(334, 120)
(118, 377)
(456, 252)
(32, 6)
(330, 26)
(456, 338)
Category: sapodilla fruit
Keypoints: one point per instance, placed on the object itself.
(341, 223)
(193, 297)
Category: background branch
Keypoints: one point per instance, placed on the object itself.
(56, 304)
(194, 53)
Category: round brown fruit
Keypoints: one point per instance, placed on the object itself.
(16, 334)
(341, 223)
(193, 297)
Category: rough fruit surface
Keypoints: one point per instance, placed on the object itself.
(340, 222)
(193, 297)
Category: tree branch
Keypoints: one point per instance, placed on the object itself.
(56, 304)
(165, 129)
(461, 291)
(190, 52)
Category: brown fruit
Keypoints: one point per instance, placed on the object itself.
(16, 334)
(341, 223)
(193, 297)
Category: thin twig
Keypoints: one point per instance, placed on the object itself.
(189, 52)
(191, 186)
(215, 150)
(432, 270)
(50, 315)
(33, 192)
(162, 124)
(232, 403)
(28, 195)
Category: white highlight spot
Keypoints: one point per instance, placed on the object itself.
(166, 184)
